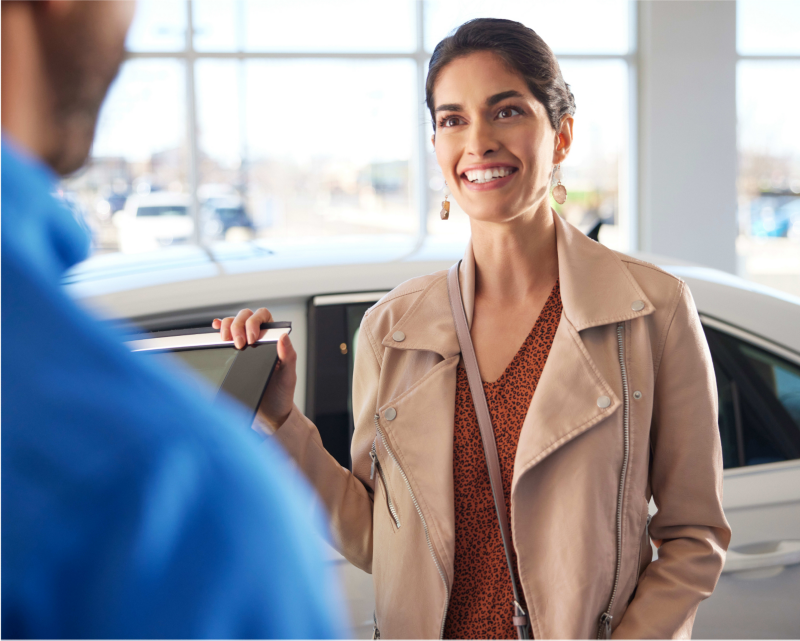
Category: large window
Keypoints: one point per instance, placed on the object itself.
(768, 103)
(255, 120)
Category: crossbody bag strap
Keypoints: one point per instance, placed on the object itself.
(520, 618)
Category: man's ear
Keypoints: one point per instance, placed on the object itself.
(433, 139)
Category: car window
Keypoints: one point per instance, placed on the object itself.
(759, 402)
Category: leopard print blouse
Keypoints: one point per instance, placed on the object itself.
(481, 601)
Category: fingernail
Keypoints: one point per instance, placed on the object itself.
(251, 338)
(237, 343)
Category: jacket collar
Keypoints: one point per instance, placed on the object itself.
(596, 289)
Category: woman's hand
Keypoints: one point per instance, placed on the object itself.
(245, 329)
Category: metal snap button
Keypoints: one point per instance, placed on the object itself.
(390, 414)
(603, 402)
(398, 337)
(637, 306)
(637, 395)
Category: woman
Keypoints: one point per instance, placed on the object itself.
(624, 409)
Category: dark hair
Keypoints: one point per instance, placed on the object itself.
(520, 48)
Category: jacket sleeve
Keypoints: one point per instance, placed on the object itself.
(347, 496)
(686, 480)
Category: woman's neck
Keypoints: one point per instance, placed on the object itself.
(515, 259)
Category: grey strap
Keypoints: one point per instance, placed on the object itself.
(520, 618)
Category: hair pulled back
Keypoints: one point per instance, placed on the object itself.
(521, 48)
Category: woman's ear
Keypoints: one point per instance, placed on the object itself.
(563, 140)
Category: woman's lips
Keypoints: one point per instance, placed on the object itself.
(497, 183)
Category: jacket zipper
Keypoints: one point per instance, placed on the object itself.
(604, 629)
(422, 518)
(373, 454)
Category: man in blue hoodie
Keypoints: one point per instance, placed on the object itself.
(130, 507)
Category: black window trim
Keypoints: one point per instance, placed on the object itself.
(749, 337)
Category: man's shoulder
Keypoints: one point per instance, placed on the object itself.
(70, 375)
(130, 461)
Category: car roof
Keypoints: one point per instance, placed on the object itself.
(226, 276)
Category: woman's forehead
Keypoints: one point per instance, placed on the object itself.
(476, 78)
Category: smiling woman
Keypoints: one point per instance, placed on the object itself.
(587, 370)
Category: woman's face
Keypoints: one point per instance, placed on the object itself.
(494, 141)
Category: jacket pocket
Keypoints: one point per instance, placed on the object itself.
(391, 506)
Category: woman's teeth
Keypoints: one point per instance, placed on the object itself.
(486, 175)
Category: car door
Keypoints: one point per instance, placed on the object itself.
(758, 595)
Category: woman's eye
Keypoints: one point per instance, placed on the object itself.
(508, 112)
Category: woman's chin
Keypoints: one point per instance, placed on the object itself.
(503, 211)
(492, 216)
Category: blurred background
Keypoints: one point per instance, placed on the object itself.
(261, 122)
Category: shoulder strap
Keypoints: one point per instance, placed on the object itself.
(487, 434)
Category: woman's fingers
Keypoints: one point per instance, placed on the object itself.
(224, 327)
(253, 324)
(278, 399)
(244, 328)
(238, 331)
(286, 354)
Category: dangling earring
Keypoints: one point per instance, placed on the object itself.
(559, 191)
(445, 212)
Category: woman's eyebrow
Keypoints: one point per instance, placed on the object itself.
(450, 107)
(498, 97)
(491, 101)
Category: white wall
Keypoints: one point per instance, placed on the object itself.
(687, 158)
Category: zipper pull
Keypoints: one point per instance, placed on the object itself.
(374, 458)
(605, 626)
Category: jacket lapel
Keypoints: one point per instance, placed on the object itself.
(596, 289)
(565, 403)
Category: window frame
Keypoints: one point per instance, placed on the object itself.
(422, 196)
(752, 57)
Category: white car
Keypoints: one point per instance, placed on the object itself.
(753, 333)
(152, 221)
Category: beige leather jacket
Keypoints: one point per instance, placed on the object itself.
(626, 408)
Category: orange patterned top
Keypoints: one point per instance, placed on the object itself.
(481, 601)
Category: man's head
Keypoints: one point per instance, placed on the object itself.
(58, 60)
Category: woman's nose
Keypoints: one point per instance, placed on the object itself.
(482, 140)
